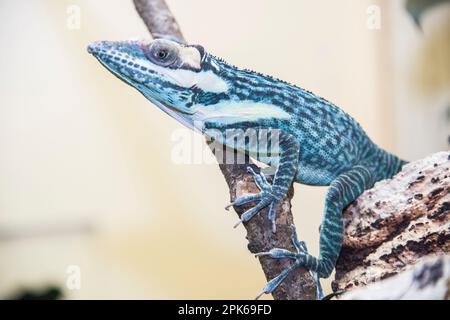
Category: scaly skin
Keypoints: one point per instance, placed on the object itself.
(318, 143)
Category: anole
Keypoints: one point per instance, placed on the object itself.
(317, 143)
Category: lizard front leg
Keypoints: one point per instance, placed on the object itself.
(272, 194)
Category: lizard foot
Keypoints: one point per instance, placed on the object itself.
(298, 258)
(265, 197)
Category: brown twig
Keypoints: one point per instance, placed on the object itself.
(299, 284)
(159, 20)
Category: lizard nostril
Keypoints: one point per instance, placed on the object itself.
(90, 48)
(93, 47)
(97, 46)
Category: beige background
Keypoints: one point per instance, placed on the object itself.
(86, 171)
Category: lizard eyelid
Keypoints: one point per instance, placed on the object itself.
(162, 53)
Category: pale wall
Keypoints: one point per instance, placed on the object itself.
(78, 146)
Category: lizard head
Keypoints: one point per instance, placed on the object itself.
(169, 74)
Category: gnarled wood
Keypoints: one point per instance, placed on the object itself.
(397, 223)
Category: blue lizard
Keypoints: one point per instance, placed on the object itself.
(317, 143)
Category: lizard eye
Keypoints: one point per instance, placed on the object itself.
(162, 53)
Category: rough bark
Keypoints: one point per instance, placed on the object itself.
(299, 284)
(427, 280)
(396, 224)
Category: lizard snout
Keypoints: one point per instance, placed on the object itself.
(97, 46)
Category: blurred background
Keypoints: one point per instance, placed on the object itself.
(91, 203)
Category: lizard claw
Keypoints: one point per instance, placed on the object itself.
(260, 295)
(237, 224)
(298, 258)
(265, 198)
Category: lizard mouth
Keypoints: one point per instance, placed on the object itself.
(178, 109)
(183, 110)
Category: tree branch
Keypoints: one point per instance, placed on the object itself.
(159, 20)
(299, 284)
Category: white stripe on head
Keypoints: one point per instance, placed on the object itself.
(190, 56)
(207, 81)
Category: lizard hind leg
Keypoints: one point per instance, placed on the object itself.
(342, 191)
(300, 248)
